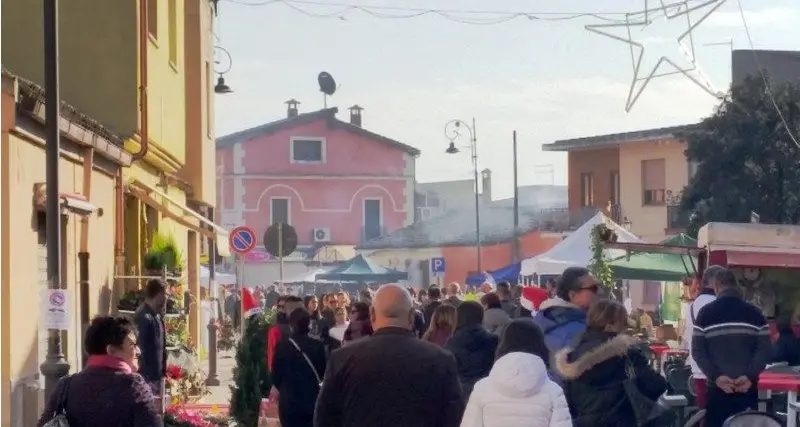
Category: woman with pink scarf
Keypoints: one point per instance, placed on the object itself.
(108, 391)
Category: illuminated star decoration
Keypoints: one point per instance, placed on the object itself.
(684, 40)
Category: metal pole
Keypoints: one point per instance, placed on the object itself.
(212, 379)
(241, 294)
(516, 255)
(474, 146)
(55, 365)
(280, 253)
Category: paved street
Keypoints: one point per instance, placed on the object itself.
(220, 395)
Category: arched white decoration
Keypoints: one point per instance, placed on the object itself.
(302, 203)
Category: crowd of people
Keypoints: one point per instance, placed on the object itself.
(399, 357)
(432, 358)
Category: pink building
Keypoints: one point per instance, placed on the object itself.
(333, 181)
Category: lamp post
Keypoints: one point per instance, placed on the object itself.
(55, 365)
(212, 379)
(221, 87)
(452, 130)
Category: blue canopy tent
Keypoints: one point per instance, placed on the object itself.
(509, 273)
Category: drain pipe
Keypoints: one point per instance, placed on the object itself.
(144, 141)
(119, 240)
(144, 136)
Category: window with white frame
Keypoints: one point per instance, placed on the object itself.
(307, 150)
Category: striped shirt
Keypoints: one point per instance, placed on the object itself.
(731, 338)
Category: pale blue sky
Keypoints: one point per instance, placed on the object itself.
(547, 80)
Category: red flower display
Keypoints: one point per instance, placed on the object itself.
(174, 372)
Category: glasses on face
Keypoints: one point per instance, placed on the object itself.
(594, 288)
(281, 306)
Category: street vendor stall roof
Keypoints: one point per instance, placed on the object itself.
(751, 244)
(362, 269)
(575, 250)
(664, 267)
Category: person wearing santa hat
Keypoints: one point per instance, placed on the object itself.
(250, 305)
(532, 298)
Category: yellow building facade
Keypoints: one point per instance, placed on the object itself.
(108, 74)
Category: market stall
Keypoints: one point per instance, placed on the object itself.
(361, 269)
(575, 250)
(765, 259)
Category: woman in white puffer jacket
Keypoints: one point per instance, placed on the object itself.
(518, 391)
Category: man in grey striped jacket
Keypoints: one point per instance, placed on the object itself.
(730, 343)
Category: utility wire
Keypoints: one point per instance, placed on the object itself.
(767, 86)
(463, 16)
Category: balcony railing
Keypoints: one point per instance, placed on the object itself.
(369, 233)
(676, 219)
(565, 219)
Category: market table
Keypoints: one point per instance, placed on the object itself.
(787, 380)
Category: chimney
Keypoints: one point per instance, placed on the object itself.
(355, 115)
(486, 184)
(291, 108)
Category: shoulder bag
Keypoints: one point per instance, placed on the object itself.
(646, 411)
(60, 416)
(308, 361)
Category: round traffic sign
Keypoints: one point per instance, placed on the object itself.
(242, 240)
(280, 240)
(57, 299)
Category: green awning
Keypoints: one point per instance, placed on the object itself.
(662, 267)
(362, 269)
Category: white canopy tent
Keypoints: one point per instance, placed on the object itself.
(576, 249)
(219, 277)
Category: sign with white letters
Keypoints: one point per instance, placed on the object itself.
(438, 266)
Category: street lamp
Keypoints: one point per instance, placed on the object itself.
(55, 365)
(452, 130)
(221, 87)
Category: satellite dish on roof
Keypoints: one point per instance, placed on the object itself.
(327, 85)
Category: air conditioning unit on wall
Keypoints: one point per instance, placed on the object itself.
(322, 235)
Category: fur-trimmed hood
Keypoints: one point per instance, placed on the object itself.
(614, 347)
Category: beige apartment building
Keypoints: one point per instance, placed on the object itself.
(635, 177)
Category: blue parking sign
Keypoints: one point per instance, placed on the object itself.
(438, 266)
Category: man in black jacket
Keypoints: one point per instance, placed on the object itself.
(392, 379)
(731, 345)
(434, 300)
(152, 335)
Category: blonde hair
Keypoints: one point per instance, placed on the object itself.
(607, 315)
(443, 319)
(343, 294)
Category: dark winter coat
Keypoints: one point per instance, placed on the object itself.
(419, 323)
(474, 348)
(392, 379)
(102, 397)
(594, 373)
(427, 312)
(152, 345)
(295, 380)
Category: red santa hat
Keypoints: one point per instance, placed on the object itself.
(533, 297)
(250, 306)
